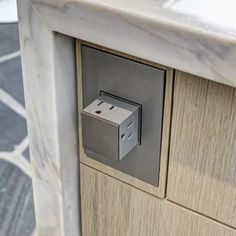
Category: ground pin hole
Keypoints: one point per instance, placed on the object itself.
(98, 112)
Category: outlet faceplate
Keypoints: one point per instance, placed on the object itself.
(137, 82)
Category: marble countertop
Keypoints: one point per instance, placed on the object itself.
(213, 18)
(198, 37)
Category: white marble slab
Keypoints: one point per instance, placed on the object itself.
(198, 37)
(48, 61)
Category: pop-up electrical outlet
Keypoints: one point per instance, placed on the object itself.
(111, 126)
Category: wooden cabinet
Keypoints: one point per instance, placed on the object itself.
(110, 207)
(202, 164)
(199, 137)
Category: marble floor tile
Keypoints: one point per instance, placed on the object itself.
(16, 202)
(9, 38)
(12, 128)
(16, 197)
(11, 79)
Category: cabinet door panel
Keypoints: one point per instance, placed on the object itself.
(110, 207)
(202, 165)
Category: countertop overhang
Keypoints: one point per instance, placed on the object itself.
(198, 37)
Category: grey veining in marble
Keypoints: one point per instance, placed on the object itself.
(198, 37)
(50, 97)
(216, 18)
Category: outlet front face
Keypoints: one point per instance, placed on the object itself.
(136, 82)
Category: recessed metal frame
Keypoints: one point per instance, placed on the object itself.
(137, 82)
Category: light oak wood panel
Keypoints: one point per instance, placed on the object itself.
(161, 189)
(110, 207)
(202, 166)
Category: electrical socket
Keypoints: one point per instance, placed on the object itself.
(111, 126)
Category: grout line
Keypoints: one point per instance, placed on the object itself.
(9, 56)
(21, 147)
(17, 158)
(12, 103)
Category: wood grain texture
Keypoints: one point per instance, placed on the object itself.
(202, 166)
(158, 191)
(110, 207)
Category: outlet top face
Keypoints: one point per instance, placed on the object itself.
(136, 82)
(108, 108)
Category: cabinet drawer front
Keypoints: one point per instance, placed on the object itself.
(202, 166)
(110, 207)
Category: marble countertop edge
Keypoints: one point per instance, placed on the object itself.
(213, 32)
(202, 49)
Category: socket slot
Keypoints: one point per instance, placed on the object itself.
(100, 103)
(130, 136)
(130, 124)
(122, 136)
